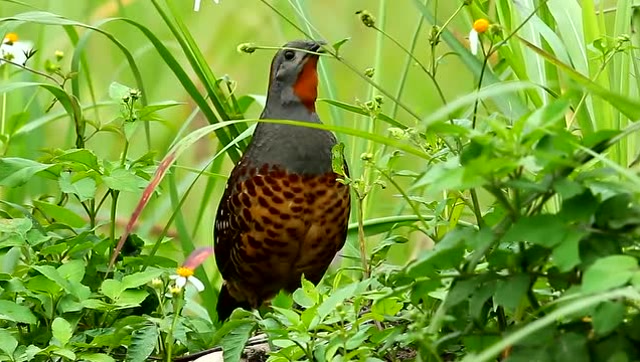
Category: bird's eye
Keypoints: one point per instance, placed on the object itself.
(289, 54)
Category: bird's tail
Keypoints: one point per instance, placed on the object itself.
(227, 304)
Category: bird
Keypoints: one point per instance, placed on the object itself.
(284, 212)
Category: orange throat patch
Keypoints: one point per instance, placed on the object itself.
(306, 87)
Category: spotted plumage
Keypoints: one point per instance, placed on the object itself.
(283, 213)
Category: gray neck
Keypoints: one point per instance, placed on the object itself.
(297, 149)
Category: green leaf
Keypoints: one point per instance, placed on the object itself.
(137, 279)
(445, 255)
(61, 331)
(72, 270)
(292, 316)
(608, 273)
(14, 312)
(40, 283)
(19, 226)
(8, 343)
(124, 180)
(143, 343)
(112, 288)
(17, 171)
(337, 297)
(566, 255)
(337, 45)
(96, 304)
(96, 357)
(386, 307)
(545, 230)
(460, 291)
(52, 274)
(131, 298)
(509, 293)
(80, 184)
(571, 347)
(146, 112)
(60, 214)
(608, 317)
(118, 91)
(81, 156)
(234, 342)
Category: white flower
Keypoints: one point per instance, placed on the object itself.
(196, 4)
(185, 275)
(14, 50)
(479, 26)
(474, 39)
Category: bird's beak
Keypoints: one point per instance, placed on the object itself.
(317, 47)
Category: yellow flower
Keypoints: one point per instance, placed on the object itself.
(479, 26)
(184, 274)
(13, 49)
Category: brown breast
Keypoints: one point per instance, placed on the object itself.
(273, 226)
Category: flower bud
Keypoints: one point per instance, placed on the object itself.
(246, 48)
(367, 19)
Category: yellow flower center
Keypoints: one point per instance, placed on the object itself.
(184, 272)
(11, 38)
(481, 25)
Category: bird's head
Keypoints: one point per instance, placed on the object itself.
(294, 76)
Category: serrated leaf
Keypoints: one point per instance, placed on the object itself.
(234, 342)
(124, 180)
(143, 343)
(509, 293)
(14, 312)
(608, 273)
(60, 214)
(80, 156)
(83, 186)
(61, 331)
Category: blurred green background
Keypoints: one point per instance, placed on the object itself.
(218, 29)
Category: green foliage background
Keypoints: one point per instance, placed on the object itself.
(497, 192)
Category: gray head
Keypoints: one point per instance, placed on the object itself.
(294, 78)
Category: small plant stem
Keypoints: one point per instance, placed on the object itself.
(407, 65)
(485, 62)
(430, 74)
(177, 307)
(42, 74)
(476, 207)
(114, 207)
(363, 249)
(4, 104)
